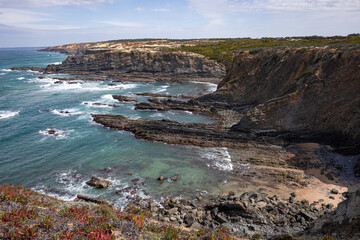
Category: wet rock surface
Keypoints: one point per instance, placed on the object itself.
(180, 133)
(52, 131)
(161, 95)
(36, 69)
(102, 104)
(98, 182)
(121, 98)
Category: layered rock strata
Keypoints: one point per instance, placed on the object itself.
(172, 66)
(307, 93)
(171, 132)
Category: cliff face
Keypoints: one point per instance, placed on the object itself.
(310, 92)
(140, 62)
(344, 222)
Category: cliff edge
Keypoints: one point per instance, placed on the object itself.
(303, 93)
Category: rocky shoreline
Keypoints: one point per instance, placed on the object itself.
(268, 100)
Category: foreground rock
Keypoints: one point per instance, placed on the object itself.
(171, 132)
(98, 182)
(245, 214)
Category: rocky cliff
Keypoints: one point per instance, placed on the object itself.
(344, 222)
(113, 63)
(298, 92)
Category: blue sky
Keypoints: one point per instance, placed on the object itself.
(53, 22)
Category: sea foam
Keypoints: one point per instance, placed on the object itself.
(59, 134)
(8, 114)
(219, 158)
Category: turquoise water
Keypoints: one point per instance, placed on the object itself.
(60, 165)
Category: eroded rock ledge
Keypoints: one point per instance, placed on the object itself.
(171, 132)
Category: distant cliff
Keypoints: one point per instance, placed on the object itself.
(112, 63)
(302, 92)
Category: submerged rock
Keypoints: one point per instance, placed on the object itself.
(36, 69)
(121, 98)
(98, 182)
(161, 178)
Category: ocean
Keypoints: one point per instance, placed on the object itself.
(60, 165)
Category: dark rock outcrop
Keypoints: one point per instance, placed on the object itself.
(244, 214)
(121, 98)
(36, 69)
(308, 93)
(102, 104)
(171, 132)
(98, 182)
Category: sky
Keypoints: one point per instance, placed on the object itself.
(32, 23)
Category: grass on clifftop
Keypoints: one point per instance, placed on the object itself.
(224, 50)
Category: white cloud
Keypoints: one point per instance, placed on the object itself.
(121, 24)
(212, 8)
(139, 9)
(46, 3)
(28, 19)
(218, 11)
(160, 10)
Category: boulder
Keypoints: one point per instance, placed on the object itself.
(98, 182)
(121, 98)
(161, 178)
(93, 200)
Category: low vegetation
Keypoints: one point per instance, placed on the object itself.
(25, 214)
(224, 49)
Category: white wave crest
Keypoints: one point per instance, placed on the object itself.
(58, 134)
(211, 86)
(20, 78)
(8, 114)
(188, 113)
(108, 97)
(32, 71)
(95, 105)
(78, 86)
(218, 158)
(66, 112)
(122, 86)
(162, 89)
(6, 70)
(44, 80)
